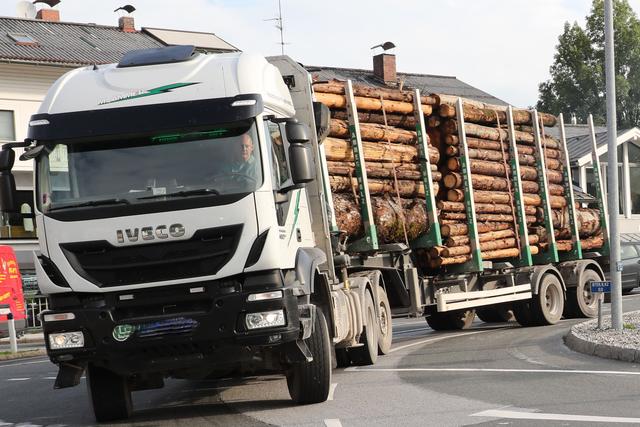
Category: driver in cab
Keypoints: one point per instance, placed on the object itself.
(244, 163)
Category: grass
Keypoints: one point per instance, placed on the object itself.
(629, 326)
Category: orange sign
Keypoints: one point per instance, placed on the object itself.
(10, 284)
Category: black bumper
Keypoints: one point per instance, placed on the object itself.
(187, 331)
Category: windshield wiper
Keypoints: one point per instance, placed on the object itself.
(185, 193)
(103, 202)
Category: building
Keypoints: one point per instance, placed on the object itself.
(580, 153)
(34, 53)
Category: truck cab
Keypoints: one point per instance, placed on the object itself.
(175, 235)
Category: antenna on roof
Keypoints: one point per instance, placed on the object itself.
(279, 25)
(25, 9)
(127, 8)
(49, 3)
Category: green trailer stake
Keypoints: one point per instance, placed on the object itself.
(551, 254)
(523, 232)
(475, 264)
(576, 246)
(370, 240)
(600, 194)
(432, 237)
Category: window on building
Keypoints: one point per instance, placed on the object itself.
(22, 39)
(634, 177)
(20, 225)
(7, 127)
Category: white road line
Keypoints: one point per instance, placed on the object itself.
(402, 347)
(332, 422)
(496, 413)
(18, 379)
(524, 371)
(24, 363)
(332, 390)
(404, 331)
(48, 378)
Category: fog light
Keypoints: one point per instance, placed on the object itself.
(265, 296)
(66, 340)
(265, 319)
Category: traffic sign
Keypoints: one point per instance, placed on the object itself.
(601, 287)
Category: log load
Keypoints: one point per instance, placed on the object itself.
(340, 150)
(370, 104)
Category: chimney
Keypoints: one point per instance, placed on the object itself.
(384, 68)
(126, 24)
(49, 15)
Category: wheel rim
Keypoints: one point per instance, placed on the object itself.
(587, 297)
(384, 326)
(552, 299)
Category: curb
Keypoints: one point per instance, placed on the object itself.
(35, 340)
(604, 351)
(23, 354)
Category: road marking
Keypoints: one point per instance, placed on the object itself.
(332, 422)
(24, 363)
(49, 378)
(332, 390)
(18, 379)
(402, 347)
(405, 331)
(525, 371)
(497, 413)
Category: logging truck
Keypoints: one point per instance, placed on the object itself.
(187, 229)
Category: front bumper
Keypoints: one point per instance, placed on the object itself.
(173, 329)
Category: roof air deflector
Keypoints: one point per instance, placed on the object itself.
(163, 55)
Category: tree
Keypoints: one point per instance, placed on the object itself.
(577, 83)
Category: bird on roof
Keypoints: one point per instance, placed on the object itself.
(385, 46)
(50, 3)
(127, 8)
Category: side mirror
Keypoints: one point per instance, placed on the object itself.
(301, 162)
(7, 158)
(297, 132)
(322, 118)
(8, 201)
(32, 152)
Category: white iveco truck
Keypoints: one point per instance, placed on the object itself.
(184, 222)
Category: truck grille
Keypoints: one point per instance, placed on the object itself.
(106, 265)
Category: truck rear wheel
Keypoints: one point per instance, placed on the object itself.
(547, 306)
(451, 320)
(580, 301)
(523, 314)
(385, 326)
(110, 394)
(367, 353)
(310, 382)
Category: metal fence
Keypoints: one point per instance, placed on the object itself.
(34, 305)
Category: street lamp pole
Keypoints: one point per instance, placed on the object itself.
(612, 170)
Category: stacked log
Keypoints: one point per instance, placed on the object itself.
(494, 189)
(389, 145)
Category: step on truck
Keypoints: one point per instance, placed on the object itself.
(186, 231)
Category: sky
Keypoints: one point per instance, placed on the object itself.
(504, 47)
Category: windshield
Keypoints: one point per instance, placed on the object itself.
(223, 160)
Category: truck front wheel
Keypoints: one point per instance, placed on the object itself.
(310, 382)
(110, 394)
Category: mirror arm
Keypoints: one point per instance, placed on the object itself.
(291, 187)
(27, 142)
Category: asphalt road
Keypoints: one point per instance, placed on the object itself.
(490, 375)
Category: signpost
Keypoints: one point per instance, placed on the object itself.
(600, 288)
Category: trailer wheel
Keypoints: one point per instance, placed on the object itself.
(343, 359)
(547, 306)
(110, 394)
(309, 382)
(496, 314)
(451, 320)
(580, 301)
(523, 314)
(367, 353)
(385, 325)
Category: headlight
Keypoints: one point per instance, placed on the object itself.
(63, 340)
(265, 319)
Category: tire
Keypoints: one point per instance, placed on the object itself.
(495, 314)
(367, 353)
(343, 359)
(523, 314)
(580, 301)
(310, 382)
(547, 306)
(385, 324)
(110, 394)
(451, 321)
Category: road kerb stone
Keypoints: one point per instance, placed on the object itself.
(23, 354)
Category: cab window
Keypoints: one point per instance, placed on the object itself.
(280, 168)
